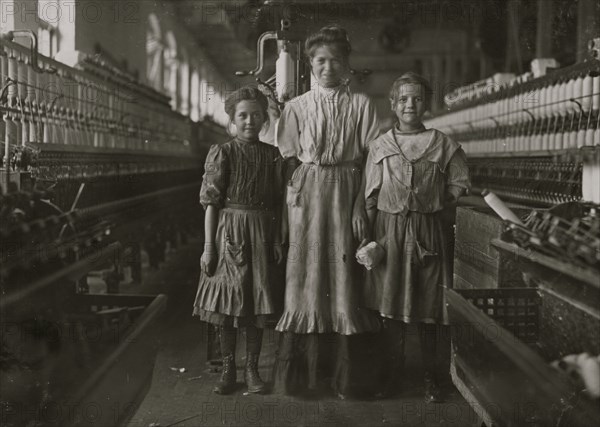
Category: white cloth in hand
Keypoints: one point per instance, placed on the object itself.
(370, 255)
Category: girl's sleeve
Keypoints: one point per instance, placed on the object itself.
(458, 182)
(214, 181)
(374, 178)
(369, 125)
(287, 133)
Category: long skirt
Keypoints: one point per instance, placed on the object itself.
(245, 288)
(409, 283)
(324, 312)
(346, 364)
(323, 291)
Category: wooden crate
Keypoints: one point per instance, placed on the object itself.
(478, 264)
(505, 380)
(571, 309)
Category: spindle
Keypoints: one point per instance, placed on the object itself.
(596, 92)
(3, 66)
(13, 74)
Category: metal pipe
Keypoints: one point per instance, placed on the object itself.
(269, 35)
(33, 49)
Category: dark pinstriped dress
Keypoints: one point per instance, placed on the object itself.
(244, 181)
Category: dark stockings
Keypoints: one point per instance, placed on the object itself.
(254, 337)
(428, 338)
(228, 340)
(428, 335)
(394, 336)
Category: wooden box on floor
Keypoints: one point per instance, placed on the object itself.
(477, 264)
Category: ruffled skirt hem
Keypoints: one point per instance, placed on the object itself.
(309, 323)
(222, 298)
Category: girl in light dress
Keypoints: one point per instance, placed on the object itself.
(327, 129)
(412, 174)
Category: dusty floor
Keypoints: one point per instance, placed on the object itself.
(186, 398)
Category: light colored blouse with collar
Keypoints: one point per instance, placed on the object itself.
(327, 126)
(396, 184)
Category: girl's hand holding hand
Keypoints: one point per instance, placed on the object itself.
(364, 242)
(208, 260)
(359, 222)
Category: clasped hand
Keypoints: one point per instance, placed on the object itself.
(359, 223)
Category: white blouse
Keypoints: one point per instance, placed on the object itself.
(327, 126)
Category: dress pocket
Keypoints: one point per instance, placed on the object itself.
(422, 254)
(235, 254)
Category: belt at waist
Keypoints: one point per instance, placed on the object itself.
(238, 206)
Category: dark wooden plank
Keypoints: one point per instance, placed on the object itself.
(587, 275)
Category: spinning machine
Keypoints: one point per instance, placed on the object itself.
(526, 287)
(95, 167)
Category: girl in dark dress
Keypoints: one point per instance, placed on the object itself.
(241, 193)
